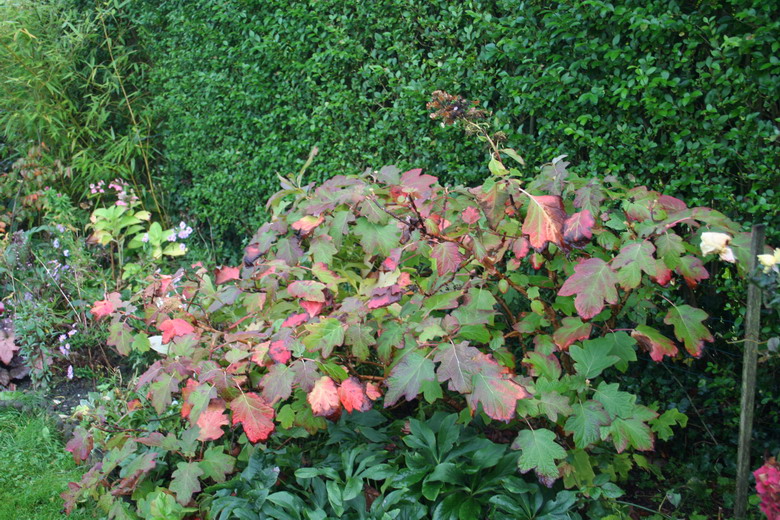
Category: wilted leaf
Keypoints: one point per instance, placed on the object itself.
(447, 256)
(324, 397)
(353, 396)
(655, 342)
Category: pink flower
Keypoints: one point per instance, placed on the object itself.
(70, 371)
(121, 203)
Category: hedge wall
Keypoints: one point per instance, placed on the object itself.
(682, 94)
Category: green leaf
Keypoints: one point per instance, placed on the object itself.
(185, 481)
(689, 327)
(593, 357)
(539, 451)
(631, 432)
(376, 238)
(616, 402)
(634, 258)
(216, 463)
(407, 376)
(585, 421)
(622, 347)
(662, 425)
(324, 336)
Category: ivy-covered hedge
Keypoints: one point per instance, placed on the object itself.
(680, 94)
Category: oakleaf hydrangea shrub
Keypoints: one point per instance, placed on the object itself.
(512, 303)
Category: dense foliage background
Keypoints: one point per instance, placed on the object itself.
(198, 105)
(681, 95)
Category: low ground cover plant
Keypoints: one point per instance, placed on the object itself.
(509, 304)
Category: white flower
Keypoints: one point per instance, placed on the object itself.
(70, 371)
(770, 262)
(172, 237)
(717, 243)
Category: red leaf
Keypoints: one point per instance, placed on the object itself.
(226, 274)
(658, 344)
(577, 230)
(254, 414)
(571, 330)
(373, 392)
(663, 273)
(186, 406)
(80, 445)
(295, 320)
(448, 257)
(353, 396)
(392, 261)
(594, 283)
(306, 224)
(692, 270)
(106, 307)
(211, 421)
(417, 186)
(470, 215)
(312, 308)
(175, 328)
(521, 247)
(279, 352)
(544, 221)
(324, 397)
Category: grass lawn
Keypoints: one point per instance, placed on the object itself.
(34, 468)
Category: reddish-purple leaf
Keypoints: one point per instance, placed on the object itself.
(470, 215)
(226, 274)
(577, 229)
(494, 390)
(384, 296)
(279, 352)
(656, 343)
(448, 257)
(457, 364)
(594, 283)
(544, 221)
(692, 270)
(80, 445)
(254, 414)
(407, 377)
(571, 330)
(277, 383)
(521, 247)
(417, 186)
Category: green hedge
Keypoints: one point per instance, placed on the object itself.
(681, 95)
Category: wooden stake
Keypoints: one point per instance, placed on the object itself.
(752, 328)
